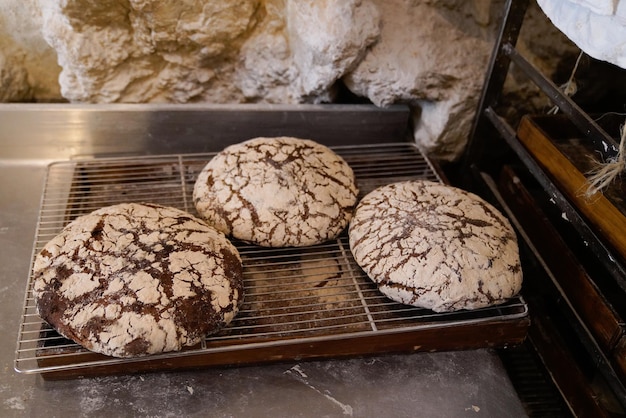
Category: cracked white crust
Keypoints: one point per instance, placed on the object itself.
(137, 279)
(277, 192)
(435, 246)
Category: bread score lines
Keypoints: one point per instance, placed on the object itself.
(435, 246)
(137, 279)
(277, 192)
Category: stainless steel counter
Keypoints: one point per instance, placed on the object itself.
(463, 383)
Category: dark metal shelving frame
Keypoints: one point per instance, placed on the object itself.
(487, 117)
(489, 126)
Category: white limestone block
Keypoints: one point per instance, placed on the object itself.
(426, 61)
(303, 47)
(328, 38)
(201, 50)
(143, 50)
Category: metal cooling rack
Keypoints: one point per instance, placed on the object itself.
(294, 296)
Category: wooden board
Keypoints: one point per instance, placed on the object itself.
(573, 285)
(496, 333)
(566, 157)
(572, 279)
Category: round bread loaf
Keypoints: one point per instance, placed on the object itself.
(435, 246)
(277, 192)
(136, 279)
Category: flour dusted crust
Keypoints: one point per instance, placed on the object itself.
(435, 246)
(137, 279)
(277, 192)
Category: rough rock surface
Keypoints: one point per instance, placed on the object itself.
(302, 48)
(328, 39)
(142, 50)
(14, 85)
(433, 65)
(192, 51)
(28, 66)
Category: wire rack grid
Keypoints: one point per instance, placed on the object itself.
(293, 295)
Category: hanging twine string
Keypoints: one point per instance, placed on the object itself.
(604, 173)
(570, 87)
(601, 176)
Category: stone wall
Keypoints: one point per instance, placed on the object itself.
(431, 54)
(28, 65)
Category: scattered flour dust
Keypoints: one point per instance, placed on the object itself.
(301, 376)
(298, 370)
(17, 403)
(473, 408)
(91, 400)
